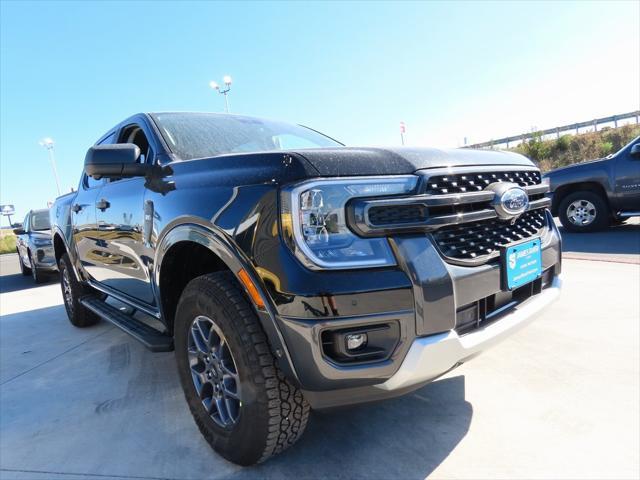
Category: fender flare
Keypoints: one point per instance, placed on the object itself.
(214, 239)
(56, 231)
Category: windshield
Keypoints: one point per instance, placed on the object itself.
(40, 220)
(199, 135)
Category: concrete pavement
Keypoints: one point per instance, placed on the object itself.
(560, 399)
(616, 244)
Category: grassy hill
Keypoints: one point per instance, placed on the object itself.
(7, 241)
(568, 149)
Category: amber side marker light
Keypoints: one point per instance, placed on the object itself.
(248, 284)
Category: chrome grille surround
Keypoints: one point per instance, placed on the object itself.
(463, 224)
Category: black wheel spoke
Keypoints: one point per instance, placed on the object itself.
(197, 382)
(217, 350)
(199, 341)
(233, 408)
(222, 411)
(210, 405)
(228, 372)
(230, 387)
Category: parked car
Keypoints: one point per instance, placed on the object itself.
(35, 247)
(592, 195)
(290, 272)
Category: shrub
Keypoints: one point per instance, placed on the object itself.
(7, 243)
(569, 149)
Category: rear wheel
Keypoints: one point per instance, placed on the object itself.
(240, 400)
(72, 290)
(583, 211)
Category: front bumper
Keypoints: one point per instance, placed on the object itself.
(429, 357)
(424, 297)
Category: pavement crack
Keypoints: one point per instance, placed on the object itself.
(55, 357)
(94, 475)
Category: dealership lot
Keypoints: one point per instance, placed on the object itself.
(559, 399)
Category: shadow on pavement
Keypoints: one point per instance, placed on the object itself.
(621, 239)
(407, 437)
(17, 281)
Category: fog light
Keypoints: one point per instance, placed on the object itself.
(356, 340)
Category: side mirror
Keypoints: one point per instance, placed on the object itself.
(19, 231)
(635, 150)
(114, 161)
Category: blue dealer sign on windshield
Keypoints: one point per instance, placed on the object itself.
(522, 263)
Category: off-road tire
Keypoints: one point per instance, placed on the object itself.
(273, 413)
(78, 315)
(26, 271)
(602, 214)
(37, 274)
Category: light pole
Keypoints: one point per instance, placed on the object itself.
(48, 144)
(227, 82)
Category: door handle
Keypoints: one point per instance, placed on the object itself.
(76, 207)
(102, 204)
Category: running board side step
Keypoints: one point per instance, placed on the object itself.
(624, 214)
(151, 338)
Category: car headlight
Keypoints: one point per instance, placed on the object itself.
(41, 242)
(313, 217)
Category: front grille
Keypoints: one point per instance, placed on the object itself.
(397, 214)
(456, 208)
(475, 182)
(470, 241)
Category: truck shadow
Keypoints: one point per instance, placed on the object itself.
(621, 239)
(138, 401)
(407, 437)
(17, 281)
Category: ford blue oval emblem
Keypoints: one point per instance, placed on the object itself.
(514, 201)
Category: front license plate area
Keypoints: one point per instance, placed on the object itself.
(521, 263)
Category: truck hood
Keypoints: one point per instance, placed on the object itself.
(342, 161)
(577, 166)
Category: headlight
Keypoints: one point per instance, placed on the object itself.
(41, 242)
(314, 224)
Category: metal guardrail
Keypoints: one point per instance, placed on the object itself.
(557, 130)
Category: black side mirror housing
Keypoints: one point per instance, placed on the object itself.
(114, 161)
(19, 231)
(635, 150)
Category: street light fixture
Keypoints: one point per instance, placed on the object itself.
(48, 144)
(227, 82)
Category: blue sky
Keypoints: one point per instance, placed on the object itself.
(70, 70)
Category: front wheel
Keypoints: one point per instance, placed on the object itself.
(583, 211)
(37, 274)
(239, 398)
(26, 271)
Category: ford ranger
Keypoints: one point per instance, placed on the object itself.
(289, 272)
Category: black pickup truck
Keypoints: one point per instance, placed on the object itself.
(589, 196)
(290, 272)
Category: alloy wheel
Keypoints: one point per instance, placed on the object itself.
(66, 289)
(214, 372)
(581, 213)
